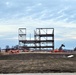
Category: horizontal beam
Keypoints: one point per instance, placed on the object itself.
(38, 47)
(44, 28)
(35, 41)
(44, 35)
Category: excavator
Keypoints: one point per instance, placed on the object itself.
(60, 48)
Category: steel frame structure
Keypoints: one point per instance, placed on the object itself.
(43, 39)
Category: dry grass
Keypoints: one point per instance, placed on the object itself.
(37, 63)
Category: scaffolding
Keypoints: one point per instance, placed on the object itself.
(43, 39)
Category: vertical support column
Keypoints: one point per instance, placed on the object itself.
(39, 40)
(46, 37)
(35, 39)
(53, 38)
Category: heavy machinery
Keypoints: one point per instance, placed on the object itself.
(60, 49)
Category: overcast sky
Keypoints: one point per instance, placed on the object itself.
(31, 14)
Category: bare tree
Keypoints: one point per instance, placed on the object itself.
(0, 49)
(7, 48)
(16, 47)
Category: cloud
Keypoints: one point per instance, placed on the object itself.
(63, 10)
(63, 31)
(31, 14)
(12, 38)
(7, 28)
(1, 35)
(37, 10)
(59, 39)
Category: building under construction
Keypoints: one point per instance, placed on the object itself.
(43, 39)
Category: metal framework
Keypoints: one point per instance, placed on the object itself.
(43, 39)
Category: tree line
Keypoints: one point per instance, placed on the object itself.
(12, 48)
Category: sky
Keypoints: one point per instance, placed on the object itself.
(32, 14)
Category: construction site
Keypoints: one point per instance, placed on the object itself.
(43, 39)
(37, 55)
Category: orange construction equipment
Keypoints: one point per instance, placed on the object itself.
(13, 51)
(58, 50)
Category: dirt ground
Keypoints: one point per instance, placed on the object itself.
(37, 63)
